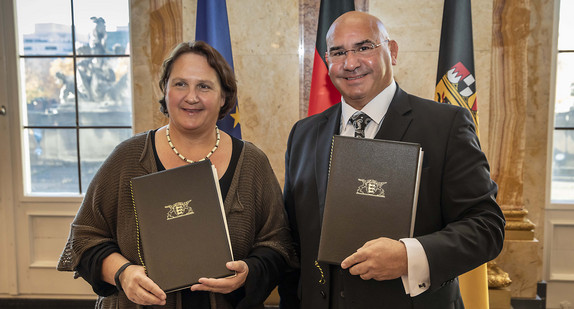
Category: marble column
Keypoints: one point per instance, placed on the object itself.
(155, 31)
(507, 137)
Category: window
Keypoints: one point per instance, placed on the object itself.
(75, 89)
(563, 152)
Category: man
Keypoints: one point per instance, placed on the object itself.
(459, 225)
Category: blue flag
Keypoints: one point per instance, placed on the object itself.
(212, 27)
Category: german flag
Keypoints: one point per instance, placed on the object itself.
(456, 84)
(323, 94)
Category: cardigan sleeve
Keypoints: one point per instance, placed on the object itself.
(107, 199)
(90, 267)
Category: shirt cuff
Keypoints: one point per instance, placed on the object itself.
(417, 279)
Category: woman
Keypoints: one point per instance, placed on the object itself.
(199, 88)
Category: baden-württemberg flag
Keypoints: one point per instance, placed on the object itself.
(455, 84)
(455, 81)
(212, 27)
(323, 94)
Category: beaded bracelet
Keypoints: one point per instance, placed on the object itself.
(118, 273)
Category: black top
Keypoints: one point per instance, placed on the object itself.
(225, 181)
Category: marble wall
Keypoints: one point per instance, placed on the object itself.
(418, 35)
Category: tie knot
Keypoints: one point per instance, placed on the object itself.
(360, 121)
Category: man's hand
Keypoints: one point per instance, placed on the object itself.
(379, 259)
(224, 285)
(139, 288)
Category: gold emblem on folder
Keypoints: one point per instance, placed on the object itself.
(178, 210)
(371, 187)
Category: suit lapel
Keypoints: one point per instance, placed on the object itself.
(326, 128)
(397, 119)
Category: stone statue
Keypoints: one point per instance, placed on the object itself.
(102, 78)
(98, 36)
(84, 73)
(67, 89)
(95, 76)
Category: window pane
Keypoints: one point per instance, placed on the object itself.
(563, 166)
(566, 26)
(51, 161)
(101, 27)
(105, 92)
(48, 91)
(44, 27)
(95, 146)
(564, 108)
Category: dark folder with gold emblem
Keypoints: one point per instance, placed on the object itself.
(372, 192)
(182, 225)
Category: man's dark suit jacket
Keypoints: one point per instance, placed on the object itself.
(458, 221)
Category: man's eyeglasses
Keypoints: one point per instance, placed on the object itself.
(365, 50)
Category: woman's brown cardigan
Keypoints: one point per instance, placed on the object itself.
(254, 209)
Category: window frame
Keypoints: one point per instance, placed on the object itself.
(23, 172)
(555, 204)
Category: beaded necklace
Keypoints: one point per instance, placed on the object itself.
(186, 159)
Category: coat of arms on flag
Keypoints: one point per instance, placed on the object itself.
(458, 87)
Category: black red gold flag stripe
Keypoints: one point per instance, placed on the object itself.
(323, 94)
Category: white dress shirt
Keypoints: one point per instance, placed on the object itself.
(418, 279)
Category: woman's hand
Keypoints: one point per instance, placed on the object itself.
(139, 288)
(224, 285)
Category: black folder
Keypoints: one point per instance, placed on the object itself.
(372, 192)
(182, 225)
